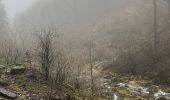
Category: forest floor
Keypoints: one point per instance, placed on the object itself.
(127, 87)
(108, 85)
(26, 88)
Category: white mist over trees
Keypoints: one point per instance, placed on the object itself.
(3, 21)
(73, 43)
(69, 13)
(117, 27)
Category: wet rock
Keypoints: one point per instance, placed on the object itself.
(144, 90)
(161, 94)
(167, 96)
(115, 97)
(121, 84)
(2, 67)
(7, 94)
(134, 88)
(8, 70)
(4, 83)
(17, 70)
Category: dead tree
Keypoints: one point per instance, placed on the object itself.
(91, 71)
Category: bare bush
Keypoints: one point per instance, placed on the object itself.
(46, 49)
(61, 68)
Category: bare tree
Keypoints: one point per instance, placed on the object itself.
(91, 70)
(156, 33)
(46, 49)
(61, 67)
(169, 7)
(11, 52)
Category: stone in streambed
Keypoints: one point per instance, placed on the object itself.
(7, 94)
(17, 70)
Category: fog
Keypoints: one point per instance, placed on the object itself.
(72, 13)
(85, 49)
(15, 6)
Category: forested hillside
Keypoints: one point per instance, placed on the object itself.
(86, 50)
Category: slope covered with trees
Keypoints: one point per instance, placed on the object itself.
(133, 40)
(126, 34)
(87, 50)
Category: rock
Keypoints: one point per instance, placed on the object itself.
(167, 96)
(2, 99)
(19, 64)
(3, 83)
(31, 74)
(2, 67)
(121, 84)
(133, 83)
(161, 94)
(22, 97)
(56, 98)
(115, 96)
(8, 70)
(144, 90)
(7, 94)
(17, 70)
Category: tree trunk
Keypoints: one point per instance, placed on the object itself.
(169, 7)
(156, 35)
(91, 73)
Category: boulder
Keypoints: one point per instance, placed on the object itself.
(17, 70)
(7, 94)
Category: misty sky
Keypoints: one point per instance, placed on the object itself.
(15, 6)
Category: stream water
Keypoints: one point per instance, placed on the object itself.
(133, 89)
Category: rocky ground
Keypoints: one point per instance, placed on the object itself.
(112, 86)
(20, 83)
